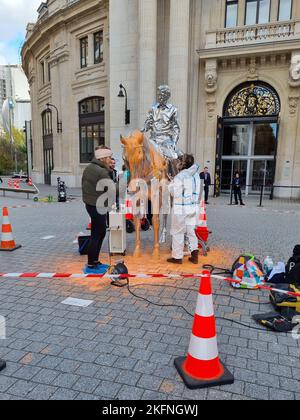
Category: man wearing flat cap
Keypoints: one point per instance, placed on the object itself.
(97, 170)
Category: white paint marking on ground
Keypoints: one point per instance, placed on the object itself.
(77, 302)
(45, 238)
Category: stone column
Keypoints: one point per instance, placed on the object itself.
(241, 12)
(147, 56)
(179, 63)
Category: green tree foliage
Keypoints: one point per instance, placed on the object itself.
(8, 151)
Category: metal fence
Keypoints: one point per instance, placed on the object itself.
(267, 192)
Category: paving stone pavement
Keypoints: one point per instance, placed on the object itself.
(122, 347)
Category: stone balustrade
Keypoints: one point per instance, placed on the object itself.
(238, 36)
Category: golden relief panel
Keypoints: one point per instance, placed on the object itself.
(253, 100)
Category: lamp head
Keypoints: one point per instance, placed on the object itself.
(121, 93)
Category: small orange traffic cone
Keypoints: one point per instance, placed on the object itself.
(202, 367)
(129, 210)
(89, 226)
(7, 241)
(16, 185)
(202, 231)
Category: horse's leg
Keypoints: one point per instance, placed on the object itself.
(137, 223)
(156, 225)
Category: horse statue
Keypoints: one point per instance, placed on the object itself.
(146, 163)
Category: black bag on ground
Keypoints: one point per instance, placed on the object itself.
(274, 321)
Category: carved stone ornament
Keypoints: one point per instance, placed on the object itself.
(252, 71)
(211, 77)
(211, 108)
(293, 105)
(295, 71)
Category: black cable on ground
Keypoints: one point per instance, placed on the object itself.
(196, 290)
(213, 268)
(185, 310)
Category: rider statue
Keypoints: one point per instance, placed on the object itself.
(163, 125)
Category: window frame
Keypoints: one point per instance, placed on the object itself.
(291, 11)
(101, 45)
(47, 123)
(236, 2)
(90, 120)
(258, 5)
(43, 79)
(84, 47)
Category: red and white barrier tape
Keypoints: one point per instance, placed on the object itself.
(140, 276)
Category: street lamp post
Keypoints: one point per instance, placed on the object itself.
(123, 94)
(12, 143)
(59, 123)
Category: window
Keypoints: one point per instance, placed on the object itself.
(285, 10)
(92, 127)
(49, 73)
(231, 13)
(47, 123)
(43, 72)
(98, 47)
(84, 44)
(257, 11)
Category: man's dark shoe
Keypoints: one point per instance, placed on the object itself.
(243, 204)
(2, 364)
(174, 261)
(195, 257)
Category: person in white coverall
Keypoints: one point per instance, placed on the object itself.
(185, 189)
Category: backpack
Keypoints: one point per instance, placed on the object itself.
(248, 271)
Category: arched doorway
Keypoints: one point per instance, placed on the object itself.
(92, 126)
(247, 137)
(47, 145)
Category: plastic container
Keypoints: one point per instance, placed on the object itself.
(268, 265)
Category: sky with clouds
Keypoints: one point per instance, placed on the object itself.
(14, 16)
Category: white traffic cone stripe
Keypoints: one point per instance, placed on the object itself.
(5, 220)
(203, 348)
(6, 237)
(205, 307)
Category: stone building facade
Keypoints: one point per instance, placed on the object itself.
(233, 67)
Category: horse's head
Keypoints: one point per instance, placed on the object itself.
(134, 152)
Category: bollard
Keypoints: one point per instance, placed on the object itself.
(261, 196)
(2, 364)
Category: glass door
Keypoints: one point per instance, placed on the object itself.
(261, 173)
(229, 168)
(48, 165)
(250, 149)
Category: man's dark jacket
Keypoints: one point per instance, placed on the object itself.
(92, 174)
(207, 181)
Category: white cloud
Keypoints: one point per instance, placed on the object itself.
(14, 17)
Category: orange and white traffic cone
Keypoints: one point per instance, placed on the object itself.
(30, 184)
(130, 227)
(202, 231)
(129, 210)
(16, 185)
(202, 367)
(89, 226)
(7, 240)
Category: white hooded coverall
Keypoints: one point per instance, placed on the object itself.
(185, 189)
